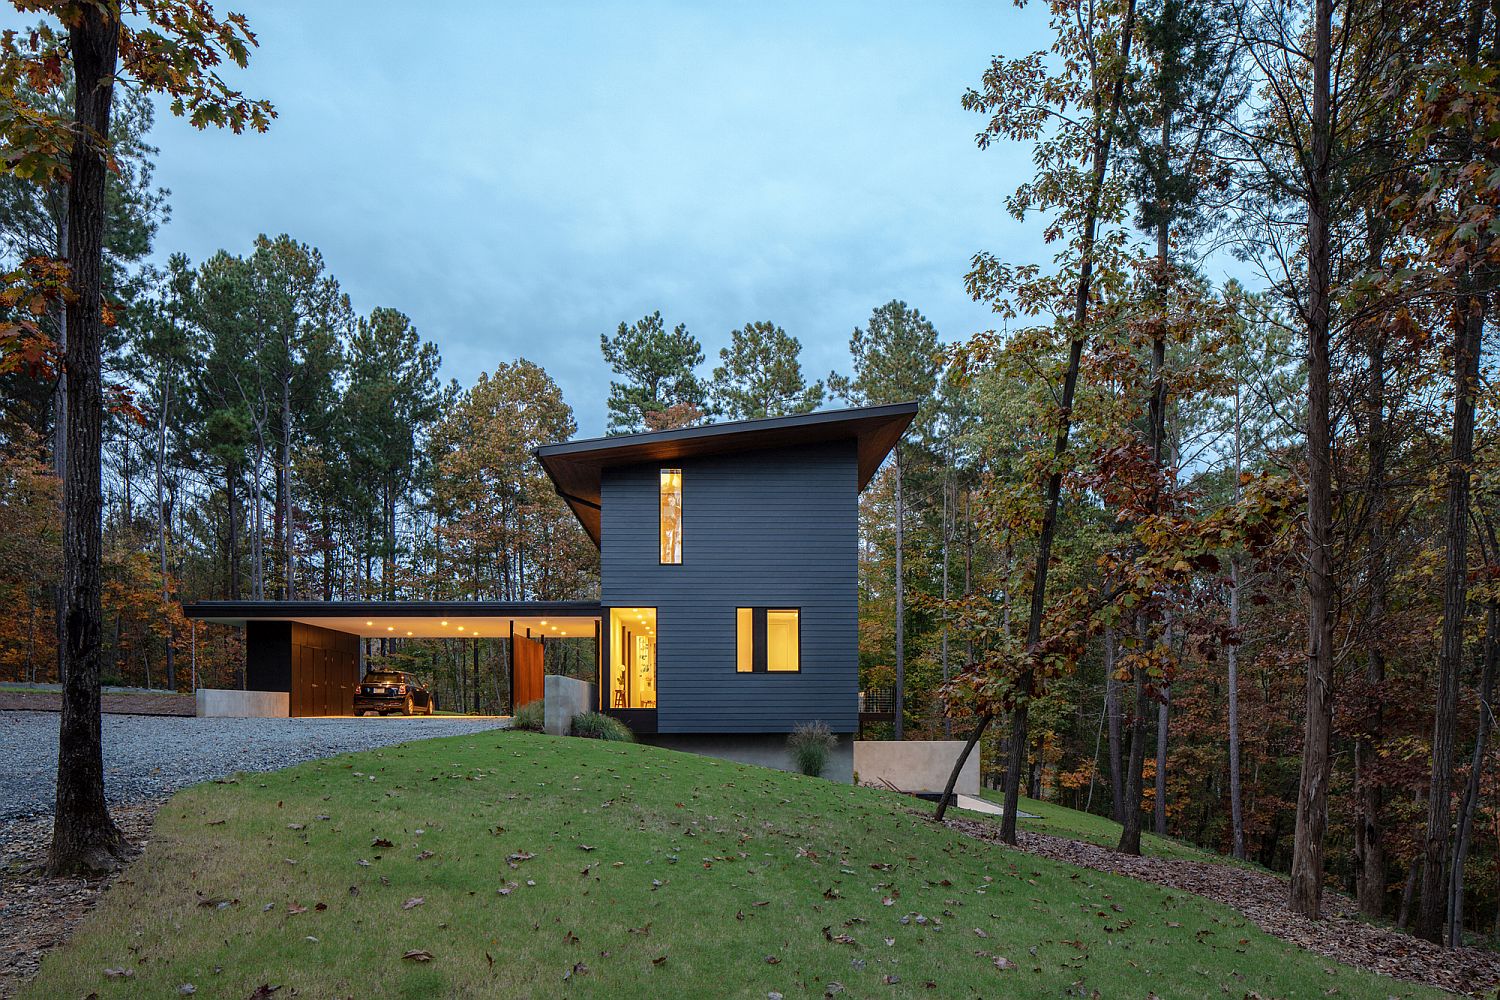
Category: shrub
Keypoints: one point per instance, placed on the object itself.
(598, 726)
(529, 717)
(810, 744)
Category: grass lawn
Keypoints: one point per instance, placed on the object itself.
(533, 866)
(1060, 821)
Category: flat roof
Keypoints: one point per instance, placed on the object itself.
(576, 467)
(416, 619)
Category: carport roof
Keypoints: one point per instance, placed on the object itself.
(576, 467)
(418, 619)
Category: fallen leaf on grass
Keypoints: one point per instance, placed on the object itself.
(424, 855)
(217, 902)
(414, 901)
(773, 959)
(417, 955)
(578, 969)
(263, 991)
(119, 973)
(659, 960)
(381, 842)
(1002, 963)
(295, 908)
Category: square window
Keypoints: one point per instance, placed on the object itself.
(768, 640)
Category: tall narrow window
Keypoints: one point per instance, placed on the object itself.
(744, 658)
(671, 516)
(768, 639)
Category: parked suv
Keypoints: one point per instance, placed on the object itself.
(384, 691)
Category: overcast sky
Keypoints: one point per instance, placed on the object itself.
(520, 178)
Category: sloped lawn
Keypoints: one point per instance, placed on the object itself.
(512, 864)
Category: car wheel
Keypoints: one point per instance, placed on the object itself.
(406, 707)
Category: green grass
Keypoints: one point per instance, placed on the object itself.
(1060, 821)
(631, 872)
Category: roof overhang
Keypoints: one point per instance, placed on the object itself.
(414, 619)
(576, 467)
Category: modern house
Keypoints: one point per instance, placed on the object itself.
(728, 603)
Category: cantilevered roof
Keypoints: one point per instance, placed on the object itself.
(418, 619)
(576, 467)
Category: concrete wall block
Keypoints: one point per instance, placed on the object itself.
(915, 765)
(563, 698)
(214, 703)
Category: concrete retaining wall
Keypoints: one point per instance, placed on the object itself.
(214, 703)
(563, 698)
(915, 765)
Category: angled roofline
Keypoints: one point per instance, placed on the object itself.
(575, 466)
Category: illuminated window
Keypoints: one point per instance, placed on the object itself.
(744, 660)
(632, 658)
(782, 640)
(671, 516)
(768, 639)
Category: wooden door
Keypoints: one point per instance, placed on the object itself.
(526, 670)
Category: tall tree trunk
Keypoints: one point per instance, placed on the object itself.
(900, 721)
(1470, 801)
(1159, 805)
(288, 522)
(1306, 891)
(1016, 751)
(1236, 780)
(1370, 793)
(1469, 316)
(1130, 830)
(164, 511)
(1433, 907)
(1158, 415)
(257, 508)
(1232, 655)
(84, 837)
(1112, 714)
(947, 722)
(60, 445)
(230, 476)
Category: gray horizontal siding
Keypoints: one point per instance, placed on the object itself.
(775, 529)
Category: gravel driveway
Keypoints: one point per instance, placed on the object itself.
(150, 756)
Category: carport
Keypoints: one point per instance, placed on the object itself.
(313, 650)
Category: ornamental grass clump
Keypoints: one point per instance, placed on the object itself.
(529, 717)
(597, 726)
(810, 744)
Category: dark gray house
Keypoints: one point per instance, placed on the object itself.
(728, 604)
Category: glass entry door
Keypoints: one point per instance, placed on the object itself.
(632, 655)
